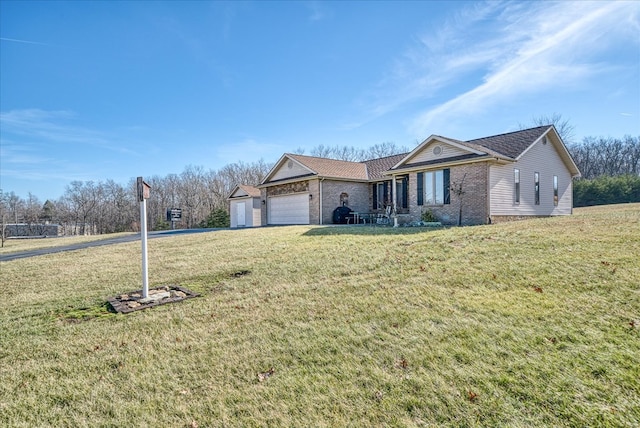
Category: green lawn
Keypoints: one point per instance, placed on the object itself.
(531, 323)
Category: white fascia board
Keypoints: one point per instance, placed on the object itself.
(280, 163)
(430, 140)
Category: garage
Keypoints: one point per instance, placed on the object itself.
(288, 209)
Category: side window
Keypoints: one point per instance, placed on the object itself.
(555, 190)
(536, 186)
(516, 186)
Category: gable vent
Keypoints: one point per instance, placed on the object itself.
(437, 150)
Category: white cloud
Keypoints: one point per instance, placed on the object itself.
(29, 42)
(317, 11)
(41, 126)
(491, 53)
(546, 46)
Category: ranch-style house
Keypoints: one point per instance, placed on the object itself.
(520, 174)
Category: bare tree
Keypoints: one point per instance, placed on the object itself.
(83, 201)
(358, 155)
(564, 127)
(607, 156)
(4, 211)
(458, 189)
(383, 150)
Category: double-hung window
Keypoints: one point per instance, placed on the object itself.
(433, 187)
(516, 186)
(380, 195)
(402, 194)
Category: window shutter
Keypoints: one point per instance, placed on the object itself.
(421, 188)
(375, 195)
(447, 183)
(405, 192)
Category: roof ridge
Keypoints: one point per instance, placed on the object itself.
(321, 158)
(507, 133)
(385, 157)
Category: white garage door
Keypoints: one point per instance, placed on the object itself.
(289, 209)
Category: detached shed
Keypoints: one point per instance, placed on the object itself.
(245, 206)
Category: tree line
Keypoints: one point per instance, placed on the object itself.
(610, 170)
(89, 207)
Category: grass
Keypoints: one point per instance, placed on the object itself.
(13, 245)
(531, 323)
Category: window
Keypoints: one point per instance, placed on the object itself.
(380, 195)
(536, 186)
(433, 187)
(555, 190)
(516, 185)
(402, 194)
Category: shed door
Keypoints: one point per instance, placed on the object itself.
(289, 209)
(240, 212)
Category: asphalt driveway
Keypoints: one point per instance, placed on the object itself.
(108, 241)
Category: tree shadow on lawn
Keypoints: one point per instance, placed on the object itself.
(368, 230)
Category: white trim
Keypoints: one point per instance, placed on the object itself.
(440, 139)
(281, 162)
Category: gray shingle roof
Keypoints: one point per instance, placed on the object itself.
(511, 144)
(375, 167)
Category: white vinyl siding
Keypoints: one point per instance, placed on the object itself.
(288, 209)
(250, 215)
(427, 153)
(541, 158)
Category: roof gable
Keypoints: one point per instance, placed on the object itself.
(294, 166)
(437, 149)
(287, 167)
(509, 147)
(244, 191)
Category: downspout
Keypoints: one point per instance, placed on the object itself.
(320, 201)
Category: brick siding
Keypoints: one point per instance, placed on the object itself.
(474, 199)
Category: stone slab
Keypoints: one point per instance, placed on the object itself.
(133, 300)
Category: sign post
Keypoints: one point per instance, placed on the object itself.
(173, 215)
(143, 195)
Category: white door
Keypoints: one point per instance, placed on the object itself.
(241, 212)
(289, 209)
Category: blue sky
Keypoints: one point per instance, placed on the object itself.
(115, 90)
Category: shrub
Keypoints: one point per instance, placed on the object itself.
(606, 190)
(428, 217)
(217, 218)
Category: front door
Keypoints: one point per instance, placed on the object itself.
(240, 210)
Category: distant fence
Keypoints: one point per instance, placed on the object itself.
(25, 230)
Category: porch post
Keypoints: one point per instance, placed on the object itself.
(393, 201)
(393, 194)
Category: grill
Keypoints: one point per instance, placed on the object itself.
(342, 215)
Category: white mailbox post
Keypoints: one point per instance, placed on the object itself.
(143, 195)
